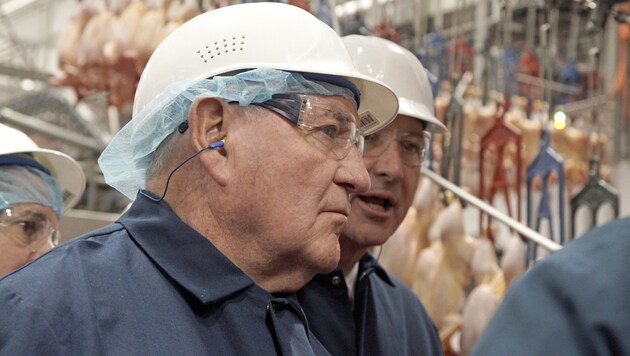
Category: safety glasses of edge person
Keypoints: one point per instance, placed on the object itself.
(331, 129)
(412, 146)
(28, 227)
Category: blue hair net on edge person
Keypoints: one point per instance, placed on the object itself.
(21, 184)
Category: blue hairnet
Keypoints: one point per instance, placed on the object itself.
(22, 184)
(125, 160)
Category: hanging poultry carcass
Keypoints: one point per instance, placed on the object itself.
(491, 280)
(478, 119)
(94, 38)
(124, 29)
(122, 57)
(399, 254)
(68, 45)
(443, 270)
(485, 297)
(426, 205)
(71, 55)
(530, 129)
(89, 61)
(573, 143)
(513, 259)
(177, 12)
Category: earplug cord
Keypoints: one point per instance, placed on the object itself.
(370, 268)
(212, 146)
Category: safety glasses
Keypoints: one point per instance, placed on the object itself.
(331, 129)
(412, 146)
(28, 227)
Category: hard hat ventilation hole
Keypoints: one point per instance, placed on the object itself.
(223, 46)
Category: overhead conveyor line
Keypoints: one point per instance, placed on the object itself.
(15, 118)
(490, 210)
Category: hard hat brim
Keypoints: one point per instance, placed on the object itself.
(413, 109)
(65, 170)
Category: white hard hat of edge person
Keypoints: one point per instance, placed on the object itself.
(66, 171)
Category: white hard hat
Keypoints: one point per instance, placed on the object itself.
(260, 35)
(401, 70)
(62, 167)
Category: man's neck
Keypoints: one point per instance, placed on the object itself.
(351, 253)
(270, 272)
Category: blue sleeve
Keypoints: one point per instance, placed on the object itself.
(574, 302)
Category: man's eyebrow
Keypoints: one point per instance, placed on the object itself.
(343, 116)
(414, 133)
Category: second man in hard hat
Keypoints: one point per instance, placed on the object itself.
(359, 309)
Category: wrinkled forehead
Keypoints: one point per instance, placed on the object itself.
(404, 123)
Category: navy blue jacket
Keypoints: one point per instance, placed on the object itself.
(574, 302)
(388, 319)
(146, 285)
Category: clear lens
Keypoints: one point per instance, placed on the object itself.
(332, 129)
(27, 227)
(412, 146)
(360, 143)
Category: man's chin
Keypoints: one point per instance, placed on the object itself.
(368, 235)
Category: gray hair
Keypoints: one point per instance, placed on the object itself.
(164, 153)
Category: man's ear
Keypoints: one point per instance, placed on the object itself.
(206, 122)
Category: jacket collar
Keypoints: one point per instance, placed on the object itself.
(182, 253)
(368, 265)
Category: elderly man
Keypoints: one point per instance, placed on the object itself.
(359, 309)
(246, 130)
(36, 186)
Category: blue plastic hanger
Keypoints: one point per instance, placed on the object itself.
(544, 164)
